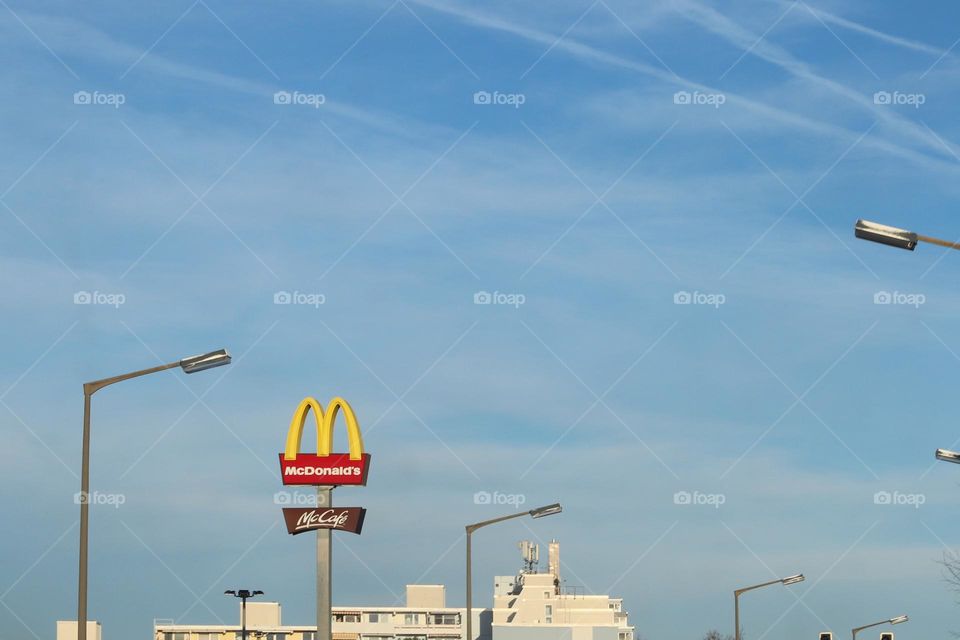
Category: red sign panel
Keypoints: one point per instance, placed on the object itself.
(333, 469)
(301, 520)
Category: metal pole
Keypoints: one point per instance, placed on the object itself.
(84, 521)
(324, 570)
(736, 615)
(938, 241)
(90, 388)
(243, 619)
(469, 635)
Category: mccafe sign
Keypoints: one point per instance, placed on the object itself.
(300, 520)
(324, 467)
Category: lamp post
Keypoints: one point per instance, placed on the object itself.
(190, 364)
(539, 512)
(896, 620)
(736, 597)
(243, 594)
(895, 237)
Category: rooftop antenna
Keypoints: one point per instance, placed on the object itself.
(530, 553)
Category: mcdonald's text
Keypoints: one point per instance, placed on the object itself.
(334, 469)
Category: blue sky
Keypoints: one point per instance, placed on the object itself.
(627, 155)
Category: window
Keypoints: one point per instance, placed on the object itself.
(275, 636)
(378, 617)
(411, 618)
(208, 636)
(446, 618)
(308, 635)
(548, 614)
(346, 617)
(176, 636)
(546, 595)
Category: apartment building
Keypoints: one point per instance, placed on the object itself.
(532, 606)
(424, 616)
(528, 606)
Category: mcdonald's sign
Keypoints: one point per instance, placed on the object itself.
(324, 467)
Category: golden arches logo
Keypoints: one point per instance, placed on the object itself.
(324, 421)
(324, 468)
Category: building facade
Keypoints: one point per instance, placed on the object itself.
(424, 616)
(532, 606)
(527, 606)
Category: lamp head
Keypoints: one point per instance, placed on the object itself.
(900, 238)
(548, 510)
(948, 456)
(898, 619)
(793, 579)
(204, 361)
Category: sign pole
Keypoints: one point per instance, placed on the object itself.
(324, 569)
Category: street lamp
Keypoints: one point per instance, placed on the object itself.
(736, 597)
(894, 237)
(191, 364)
(896, 620)
(539, 512)
(948, 456)
(243, 594)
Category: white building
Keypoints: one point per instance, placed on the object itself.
(67, 630)
(528, 606)
(424, 616)
(531, 606)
